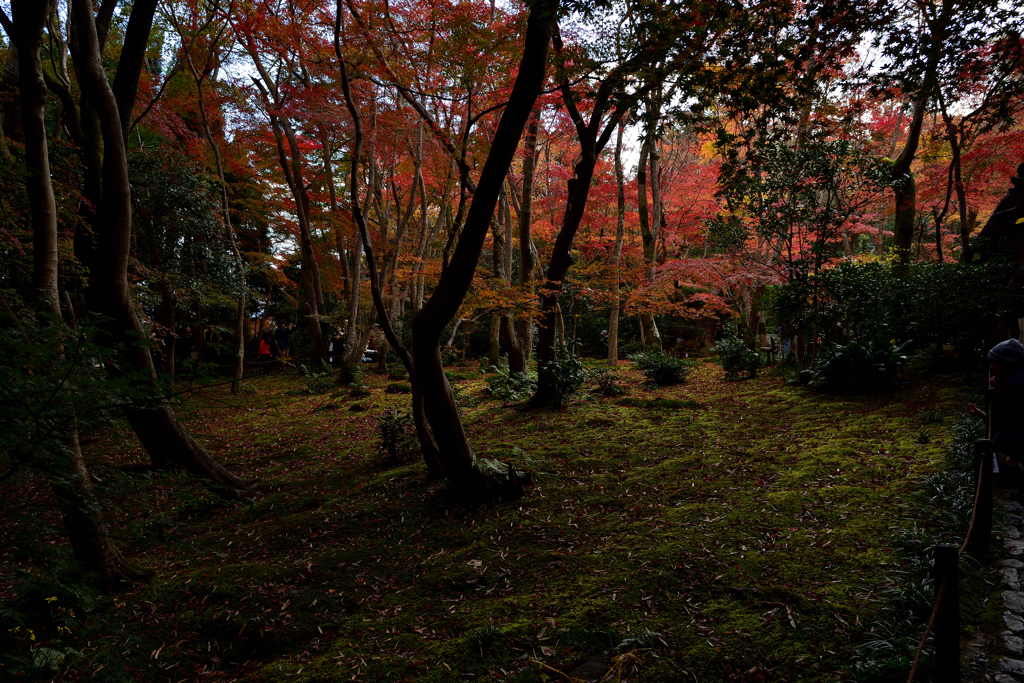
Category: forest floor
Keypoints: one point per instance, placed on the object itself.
(743, 531)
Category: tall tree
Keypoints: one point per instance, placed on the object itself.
(103, 113)
(472, 479)
(82, 514)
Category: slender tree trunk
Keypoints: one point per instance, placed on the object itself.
(157, 428)
(648, 231)
(81, 512)
(238, 369)
(507, 329)
(620, 222)
(526, 252)
(436, 466)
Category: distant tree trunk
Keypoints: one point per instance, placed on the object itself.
(497, 268)
(238, 369)
(290, 158)
(507, 329)
(526, 261)
(620, 221)
(109, 295)
(649, 225)
(81, 512)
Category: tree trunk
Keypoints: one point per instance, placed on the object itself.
(649, 230)
(620, 222)
(109, 294)
(526, 252)
(82, 515)
(238, 369)
(905, 187)
(470, 481)
(507, 329)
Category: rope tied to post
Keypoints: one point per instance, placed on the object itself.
(942, 587)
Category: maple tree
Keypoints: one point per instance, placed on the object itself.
(417, 165)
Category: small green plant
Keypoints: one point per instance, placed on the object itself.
(317, 382)
(463, 398)
(607, 381)
(397, 437)
(565, 377)
(861, 365)
(350, 375)
(511, 387)
(736, 358)
(661, 370)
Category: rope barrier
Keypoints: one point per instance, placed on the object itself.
(974, 510)
(942, 587)
(927, 632)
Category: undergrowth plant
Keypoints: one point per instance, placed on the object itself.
(607, 381)
(861, 365)
(736, 358)
(888, 651)
(397, 438)
(662, 370)
(317, 381)
(566, 377)
(511, 387)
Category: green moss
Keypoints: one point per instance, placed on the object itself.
(748, 524)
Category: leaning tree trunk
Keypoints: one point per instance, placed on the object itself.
(435, 465)
(471, 480)
(81, 512)
(157, 427)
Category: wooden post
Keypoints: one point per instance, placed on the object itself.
(981, 534)
(947, 621)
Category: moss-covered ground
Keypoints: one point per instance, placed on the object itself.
(710, 531)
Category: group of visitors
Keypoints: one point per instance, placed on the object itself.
(275, 344)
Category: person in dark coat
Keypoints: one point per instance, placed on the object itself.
(1006, 361)
(283, 339)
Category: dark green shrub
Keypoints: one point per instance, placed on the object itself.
(860, 366)
(397, 436)
(607, 381)
(350, 375)
(565, 377)
(736, 358)
(662, 370)
(510, 386)
(317, 382)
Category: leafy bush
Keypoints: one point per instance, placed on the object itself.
(317, 382)
(736, 358)
(463, 398)
(860, 366)
(662, 370)
(607, 381)
(565, 377)
(510, 386)
(351, 375)
(397, 436)
(951, 302)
